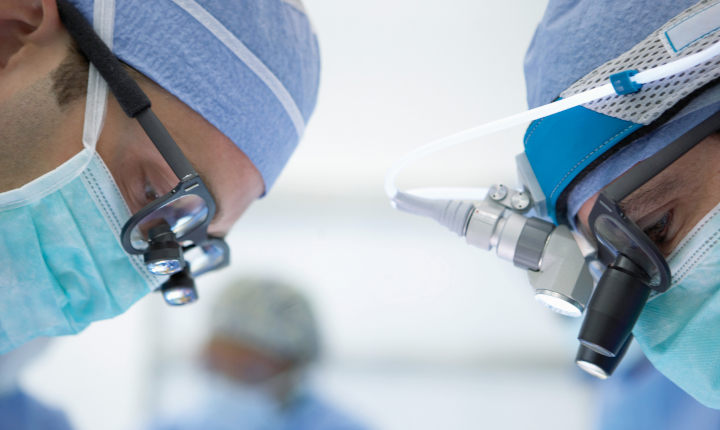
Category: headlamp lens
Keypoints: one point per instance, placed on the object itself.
(559, 303)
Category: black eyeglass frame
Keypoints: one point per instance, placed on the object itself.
(190, 184)
(136, 104)
(607, 204)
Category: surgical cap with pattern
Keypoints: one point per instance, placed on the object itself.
(268, 315)
(249, 67)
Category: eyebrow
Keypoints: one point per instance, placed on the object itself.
(644, 199)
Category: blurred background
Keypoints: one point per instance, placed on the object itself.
(420, 331)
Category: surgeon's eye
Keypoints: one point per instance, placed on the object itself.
(658, 231)
(150, 193)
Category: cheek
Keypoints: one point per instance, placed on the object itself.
(584, 212)
(126, 174)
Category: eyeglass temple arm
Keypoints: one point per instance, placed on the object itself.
(652, 166)
(132, 99)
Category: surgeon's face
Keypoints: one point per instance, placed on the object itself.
(37, 134)
(242, 362)
(673, 202)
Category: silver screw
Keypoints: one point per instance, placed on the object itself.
(497, 192)
(520, 201)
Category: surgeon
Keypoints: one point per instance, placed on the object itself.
(19, 410)
(133, 135)
(667, 223)
(264, 339)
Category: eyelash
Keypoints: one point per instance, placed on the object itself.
(150, 193)
(658, 231)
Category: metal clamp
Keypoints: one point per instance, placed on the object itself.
(517, 201)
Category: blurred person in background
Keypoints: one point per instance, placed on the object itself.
(264, 339)
(18, 410)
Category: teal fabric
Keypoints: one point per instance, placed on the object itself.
(560, 146)
(679, 331)
(63, 268)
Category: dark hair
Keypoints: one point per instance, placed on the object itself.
(70, 78)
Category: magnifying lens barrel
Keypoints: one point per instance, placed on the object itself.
(180, 288)
(164, 255)
(598, 365)
(615, 307)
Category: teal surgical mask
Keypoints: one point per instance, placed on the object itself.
(63, 266)
(679, 331)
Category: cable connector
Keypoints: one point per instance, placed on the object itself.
(452, 214)
(623, 84)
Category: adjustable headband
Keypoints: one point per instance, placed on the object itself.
(131, 98)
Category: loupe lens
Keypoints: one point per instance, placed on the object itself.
(619, 240)
(204, 258)
(164, 255)
(614, 308)
(180, 296)
(182, 215)
(180, 289)
(164, 267)
(599, 365)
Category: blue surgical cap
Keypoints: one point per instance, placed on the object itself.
(573, 39)
(250, 67)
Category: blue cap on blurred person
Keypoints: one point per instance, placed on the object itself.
(249, 67)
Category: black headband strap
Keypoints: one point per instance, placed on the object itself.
(131, 98)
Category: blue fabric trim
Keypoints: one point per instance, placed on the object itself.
(560, 146)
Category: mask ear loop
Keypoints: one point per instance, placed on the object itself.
(97, 91)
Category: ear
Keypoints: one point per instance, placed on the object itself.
(24, 23)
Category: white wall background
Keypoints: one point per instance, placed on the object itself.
(421, 331)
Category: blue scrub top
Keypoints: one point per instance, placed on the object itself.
(307, 412)
(311, 413)
(638, 397)
(19, 411)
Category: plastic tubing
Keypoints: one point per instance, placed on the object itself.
(454, 193)
(650, 75)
